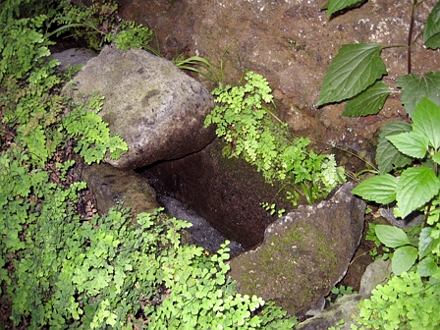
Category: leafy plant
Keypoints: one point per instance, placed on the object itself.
(407, 157)
(335, 6)
(58, 267)
(272, 209)
(250, 129)
(355, 73)
(404, 302)
(132, 35)
(338, 292)
(418, 185)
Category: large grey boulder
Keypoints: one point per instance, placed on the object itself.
(155, 107)
(73, 57)
(111, 186)
(304, 254)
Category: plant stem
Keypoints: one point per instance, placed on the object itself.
(68, 26)
(357, 156)
(410, 33)
(395, 46)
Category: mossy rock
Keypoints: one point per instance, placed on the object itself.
(304, 254)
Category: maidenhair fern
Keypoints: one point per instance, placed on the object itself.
(251, 130)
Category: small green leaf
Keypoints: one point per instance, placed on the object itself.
(427, 266)
(334, 6)
(410, 143)
(414, 88)
(426, 120)
(436, 157)
(391, 236)
(353, 70)
(431, 35)
(369, 102)
(380, 189)
(403, 259)
(425, 242)
(387, 155)
(416, 187)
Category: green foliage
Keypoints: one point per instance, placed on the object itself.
(272, 209)
(379, 189)
(368, 102)
(133, 35)
(355, 74)
(415, 88)
(388, 157)
(431, 35)
(419, 184)
(355, 68)
(61, 269)
(93, 135)
(338, 292)
(334, 6)
(405, 302)
(413, 188)
(192, 63)
(243, 119)
(21, 43)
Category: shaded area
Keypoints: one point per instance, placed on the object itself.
(227, 192)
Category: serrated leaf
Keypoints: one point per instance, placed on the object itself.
(380, 189)
(403, 259)
(416, 187)
(369, 102)
(431, 35)
(436, 157)
(387, 155)
(427, 266)
(410, 143)
(425, 242)
(353, 70)
(415, 87)
(334, 6)
(426, 121)
(391, 236)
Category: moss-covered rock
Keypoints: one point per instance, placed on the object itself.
(303, 254)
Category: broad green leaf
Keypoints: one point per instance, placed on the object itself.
(431, 35)
(391, 236)
(425, 242)
(387, 155)
(353, 70)
(416, 187)
(426, 120)
(436, 157)
(334, 6)
(379, 188)
(410, 143)
(427, 266)
(369, 102)
(403, 259)
(415, 87)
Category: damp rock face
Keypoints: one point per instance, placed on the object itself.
(112, 186)
(304, 254)
(155, 107)
(292, 43)
(227, 192)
